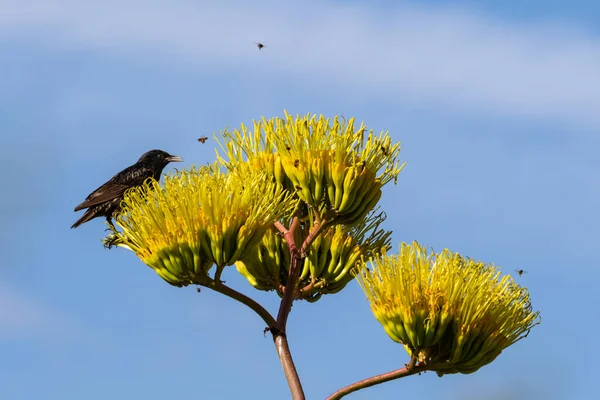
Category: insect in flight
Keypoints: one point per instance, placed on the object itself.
(202, 139)
(259, 45)
(520, 272)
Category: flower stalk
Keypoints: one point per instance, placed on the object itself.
(378, 379)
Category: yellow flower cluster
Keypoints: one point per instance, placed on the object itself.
(453, 314)
(197, 218)
(330, 165)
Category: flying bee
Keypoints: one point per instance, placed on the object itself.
(202, 139)
(259, 45)
(520, 272)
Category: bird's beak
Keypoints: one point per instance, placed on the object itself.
(174, 159)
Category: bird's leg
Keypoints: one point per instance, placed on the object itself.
(109, 220)
(111, 240)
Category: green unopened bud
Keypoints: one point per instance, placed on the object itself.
(329, 264)
(453, 314)
(197, 218)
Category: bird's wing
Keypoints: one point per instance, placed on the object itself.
(131, 176)
(106, 192)
(117, 185)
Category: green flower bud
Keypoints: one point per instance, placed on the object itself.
(329, 265)
(451, 313)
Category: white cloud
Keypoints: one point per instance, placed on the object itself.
(452, 57)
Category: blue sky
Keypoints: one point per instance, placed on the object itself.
(497, 104)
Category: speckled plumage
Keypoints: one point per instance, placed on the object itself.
(106, 200)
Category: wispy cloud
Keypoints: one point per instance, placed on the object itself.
(452, 57)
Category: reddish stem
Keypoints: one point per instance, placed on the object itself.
(289, 369)
(218, 286)
(289, 295)
(388, 376)
(295, 264)
(279, 332)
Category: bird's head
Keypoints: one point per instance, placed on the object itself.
(158, 157)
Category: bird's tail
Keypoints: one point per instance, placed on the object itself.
(87, 215)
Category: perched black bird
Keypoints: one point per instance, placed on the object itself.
(106, 200)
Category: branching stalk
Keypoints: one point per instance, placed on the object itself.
(218, 286)
(279, 337)
(375, 380)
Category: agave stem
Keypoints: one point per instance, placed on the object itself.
(289, 294)
(296, 262)
(312, 235)
(282, 229)
(308, 287)
(218, 286)
(279, 335)
(289, 369)
(218, 274)
(293, 229)
(377, 379)
(411, 364)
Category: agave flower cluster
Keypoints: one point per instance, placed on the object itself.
(198, 218)
(330, 262)
(451, 313)
(330, 165)
(337, 172)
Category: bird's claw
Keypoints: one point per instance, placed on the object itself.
(110, 242)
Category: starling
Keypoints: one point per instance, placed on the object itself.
(106, 200)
